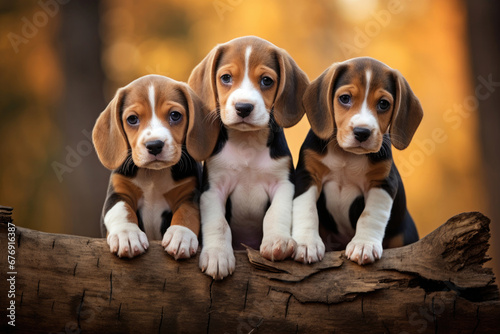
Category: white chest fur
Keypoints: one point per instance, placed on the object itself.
(154, 184)
(343, 184)
(245, 172)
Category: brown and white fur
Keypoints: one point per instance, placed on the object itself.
(348, 190)
(142, 136)
(252, 89)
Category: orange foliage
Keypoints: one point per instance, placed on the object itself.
(425, 40)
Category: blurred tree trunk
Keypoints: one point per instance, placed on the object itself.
(80, 51)
(484, 46)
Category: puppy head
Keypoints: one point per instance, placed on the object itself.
(148, 119)
(360, 100)
(248, 78)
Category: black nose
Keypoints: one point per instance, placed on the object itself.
(361, 134)
(243, 109)
(154, 147)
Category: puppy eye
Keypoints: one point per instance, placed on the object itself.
(266, 82)
(226, 79)
(133, 120)
(345, 99)
(175, 116)
(383, 105)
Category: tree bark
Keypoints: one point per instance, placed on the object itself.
(71, 284)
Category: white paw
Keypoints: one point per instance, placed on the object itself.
(310, 249)
(217, 262)
(180, 242)
(363, 251)
(276, 247)
(127, 240)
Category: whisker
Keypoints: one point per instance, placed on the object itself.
(212, 117)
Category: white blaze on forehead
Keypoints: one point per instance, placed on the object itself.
(247, 83)
(155, 122)
(247, 59)
(365, 116)
(368, 75)
(151, 95)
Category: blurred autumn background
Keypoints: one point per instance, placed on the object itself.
(62, 61)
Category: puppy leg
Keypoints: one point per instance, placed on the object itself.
(181, 238)
(216, 258)
(277, 242)
(366, 246)
(125, 238)
(305, 228)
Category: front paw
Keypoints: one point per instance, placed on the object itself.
(127, 241)
(217, 262)
(310, 249)
(363, 251)
(180, 242)
(276, 247)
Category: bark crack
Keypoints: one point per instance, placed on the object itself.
(119, 311)
(210, 306)
(257, 326)
(80, 307)
(434, 316)
(386, 328)
(287, 304)
(477, 320)
(211, 285)
(246, 295)
(161, 320)
(110, 287)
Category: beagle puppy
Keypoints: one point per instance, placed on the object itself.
(144, 137)
(348, 191)
(253, 89)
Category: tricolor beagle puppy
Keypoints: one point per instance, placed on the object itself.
(153, 192)
(348, 190)
(252, 89)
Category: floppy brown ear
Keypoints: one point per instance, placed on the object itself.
(202, 78)
(203, 130)
(288, 108)
(318, 103)
(108, 135)
(407, 114)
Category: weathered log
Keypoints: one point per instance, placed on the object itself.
(73, 284)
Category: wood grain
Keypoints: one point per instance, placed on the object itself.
(73, 284)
